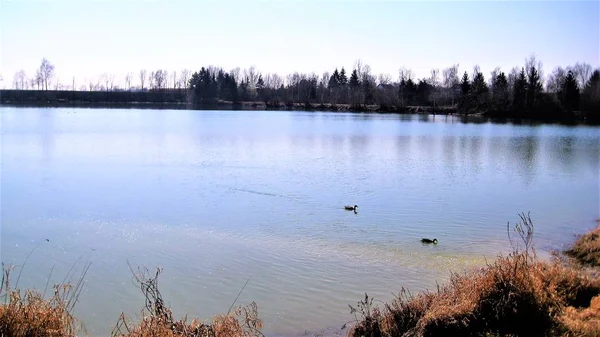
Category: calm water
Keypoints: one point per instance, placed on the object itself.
(217, 197)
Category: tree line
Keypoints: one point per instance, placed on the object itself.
(522, 92)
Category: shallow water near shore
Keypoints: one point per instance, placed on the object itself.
(219, 197)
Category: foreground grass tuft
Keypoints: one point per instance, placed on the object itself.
(586, 249)
(25, 314)
(157, 319)
(517, 295)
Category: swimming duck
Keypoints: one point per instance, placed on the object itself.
(350, 208)
(425, 240)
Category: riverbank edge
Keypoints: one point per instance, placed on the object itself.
(518, 294)
(181, 99)
(313, 107)
(576, 270)
(250, 106)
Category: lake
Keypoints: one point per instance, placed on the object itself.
(219, 197)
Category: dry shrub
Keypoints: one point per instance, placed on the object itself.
(27, 313)
(583, 321)
(586, 250)
(157, 319)
(516, 295)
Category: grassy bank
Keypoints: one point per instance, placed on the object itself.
(516, 295)
(586, 250)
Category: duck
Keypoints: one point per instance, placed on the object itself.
(350, 208)
(425, 240)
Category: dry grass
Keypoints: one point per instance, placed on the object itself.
(586, 249)
(27, 313)
(516, 295)
(157, 319)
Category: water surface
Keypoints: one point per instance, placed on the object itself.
(218, 197)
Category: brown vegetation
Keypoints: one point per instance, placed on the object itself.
(157, 319)
(586, 249)
(517, 295)
(29, 314)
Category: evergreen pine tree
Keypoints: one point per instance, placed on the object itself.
(334, 80)
(354, 82)
(465, 90)
(465, 85)
(500, 93)
(520, 93)
(410, 92)
(534, 89)
(590, 101)
(570, 92)
(343, 79)
(479, 92)
(401, 91)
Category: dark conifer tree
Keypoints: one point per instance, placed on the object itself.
(465, 94)
(343, 79)
(520, 93)
(354, 81)
(534, 89)
(500, 99)
(570, 92)
(479, 93)
(334, 80)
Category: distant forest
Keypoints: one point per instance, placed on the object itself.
(524, 92)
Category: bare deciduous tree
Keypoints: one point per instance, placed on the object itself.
(142, 78)
(405, 74)
(533, 62)
(384, 79)
(20, 80)
(174, 79)
(434, 81)
(235, 72)
(512, 77)
(128, 79)
(46, 72)
(493, 76)
(555, 80)
(435, 77)
(358, 66)
(273, 81)
(108, 80)
(151, 77)
(450, 81)
(583, 72)
(160, 78)
(252, 75)
(476, 70)
(366, 76)
(184, 77)
(150, 80)
(39, 81)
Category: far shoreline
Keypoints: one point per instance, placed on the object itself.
(180, 100)
(259, 106)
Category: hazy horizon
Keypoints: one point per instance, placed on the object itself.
(86, 39)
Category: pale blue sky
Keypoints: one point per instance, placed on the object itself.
(87, 38)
